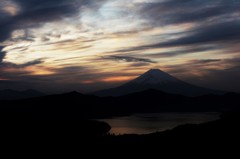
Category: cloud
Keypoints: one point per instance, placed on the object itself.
(127, 59)
(65, 79)
(171, 12)
(70, 70)
(214, 22)
(227, 32)
(2, 54)
(194, 66)
(202, 68)
(184, 51)
(225, 79)
(204, 61)
(17, 71)
(139, 64)
(33, 13)
(221, 74)
(216, 34)
(32, 63)
(73, 34)
(27, 64)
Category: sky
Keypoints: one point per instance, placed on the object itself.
(88, 45)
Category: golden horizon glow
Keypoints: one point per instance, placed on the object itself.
(117, 79)
(111, 42)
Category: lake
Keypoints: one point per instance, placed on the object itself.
(148, 123)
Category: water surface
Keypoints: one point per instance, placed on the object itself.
(148, 123)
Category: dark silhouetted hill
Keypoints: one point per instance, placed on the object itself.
(77, 106)
(13, 95)
(25, 132)
(65, 122)
(215, 138)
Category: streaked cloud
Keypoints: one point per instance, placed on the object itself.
(184, 51)
(127, 59)
(88, 44)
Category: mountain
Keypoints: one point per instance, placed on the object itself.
(77, 106)
(9, 94)
(159, 80)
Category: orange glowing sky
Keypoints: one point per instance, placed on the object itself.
(95, 44)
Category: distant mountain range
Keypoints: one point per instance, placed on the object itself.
(75, 105)
(158, 80)
(9, 94)
(152, 79)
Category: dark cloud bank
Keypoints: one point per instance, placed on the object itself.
(215, 23)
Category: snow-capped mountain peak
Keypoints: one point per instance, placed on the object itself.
(158, 80)
(154, 76)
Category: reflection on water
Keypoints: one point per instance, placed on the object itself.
(148, 123)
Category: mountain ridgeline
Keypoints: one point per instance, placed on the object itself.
(65, 119)
(75, 105)
(154, 91)
(9, 94)
(158, 80)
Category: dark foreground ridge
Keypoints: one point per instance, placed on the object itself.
(74, 105)
(84, 136)
(65, 122)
